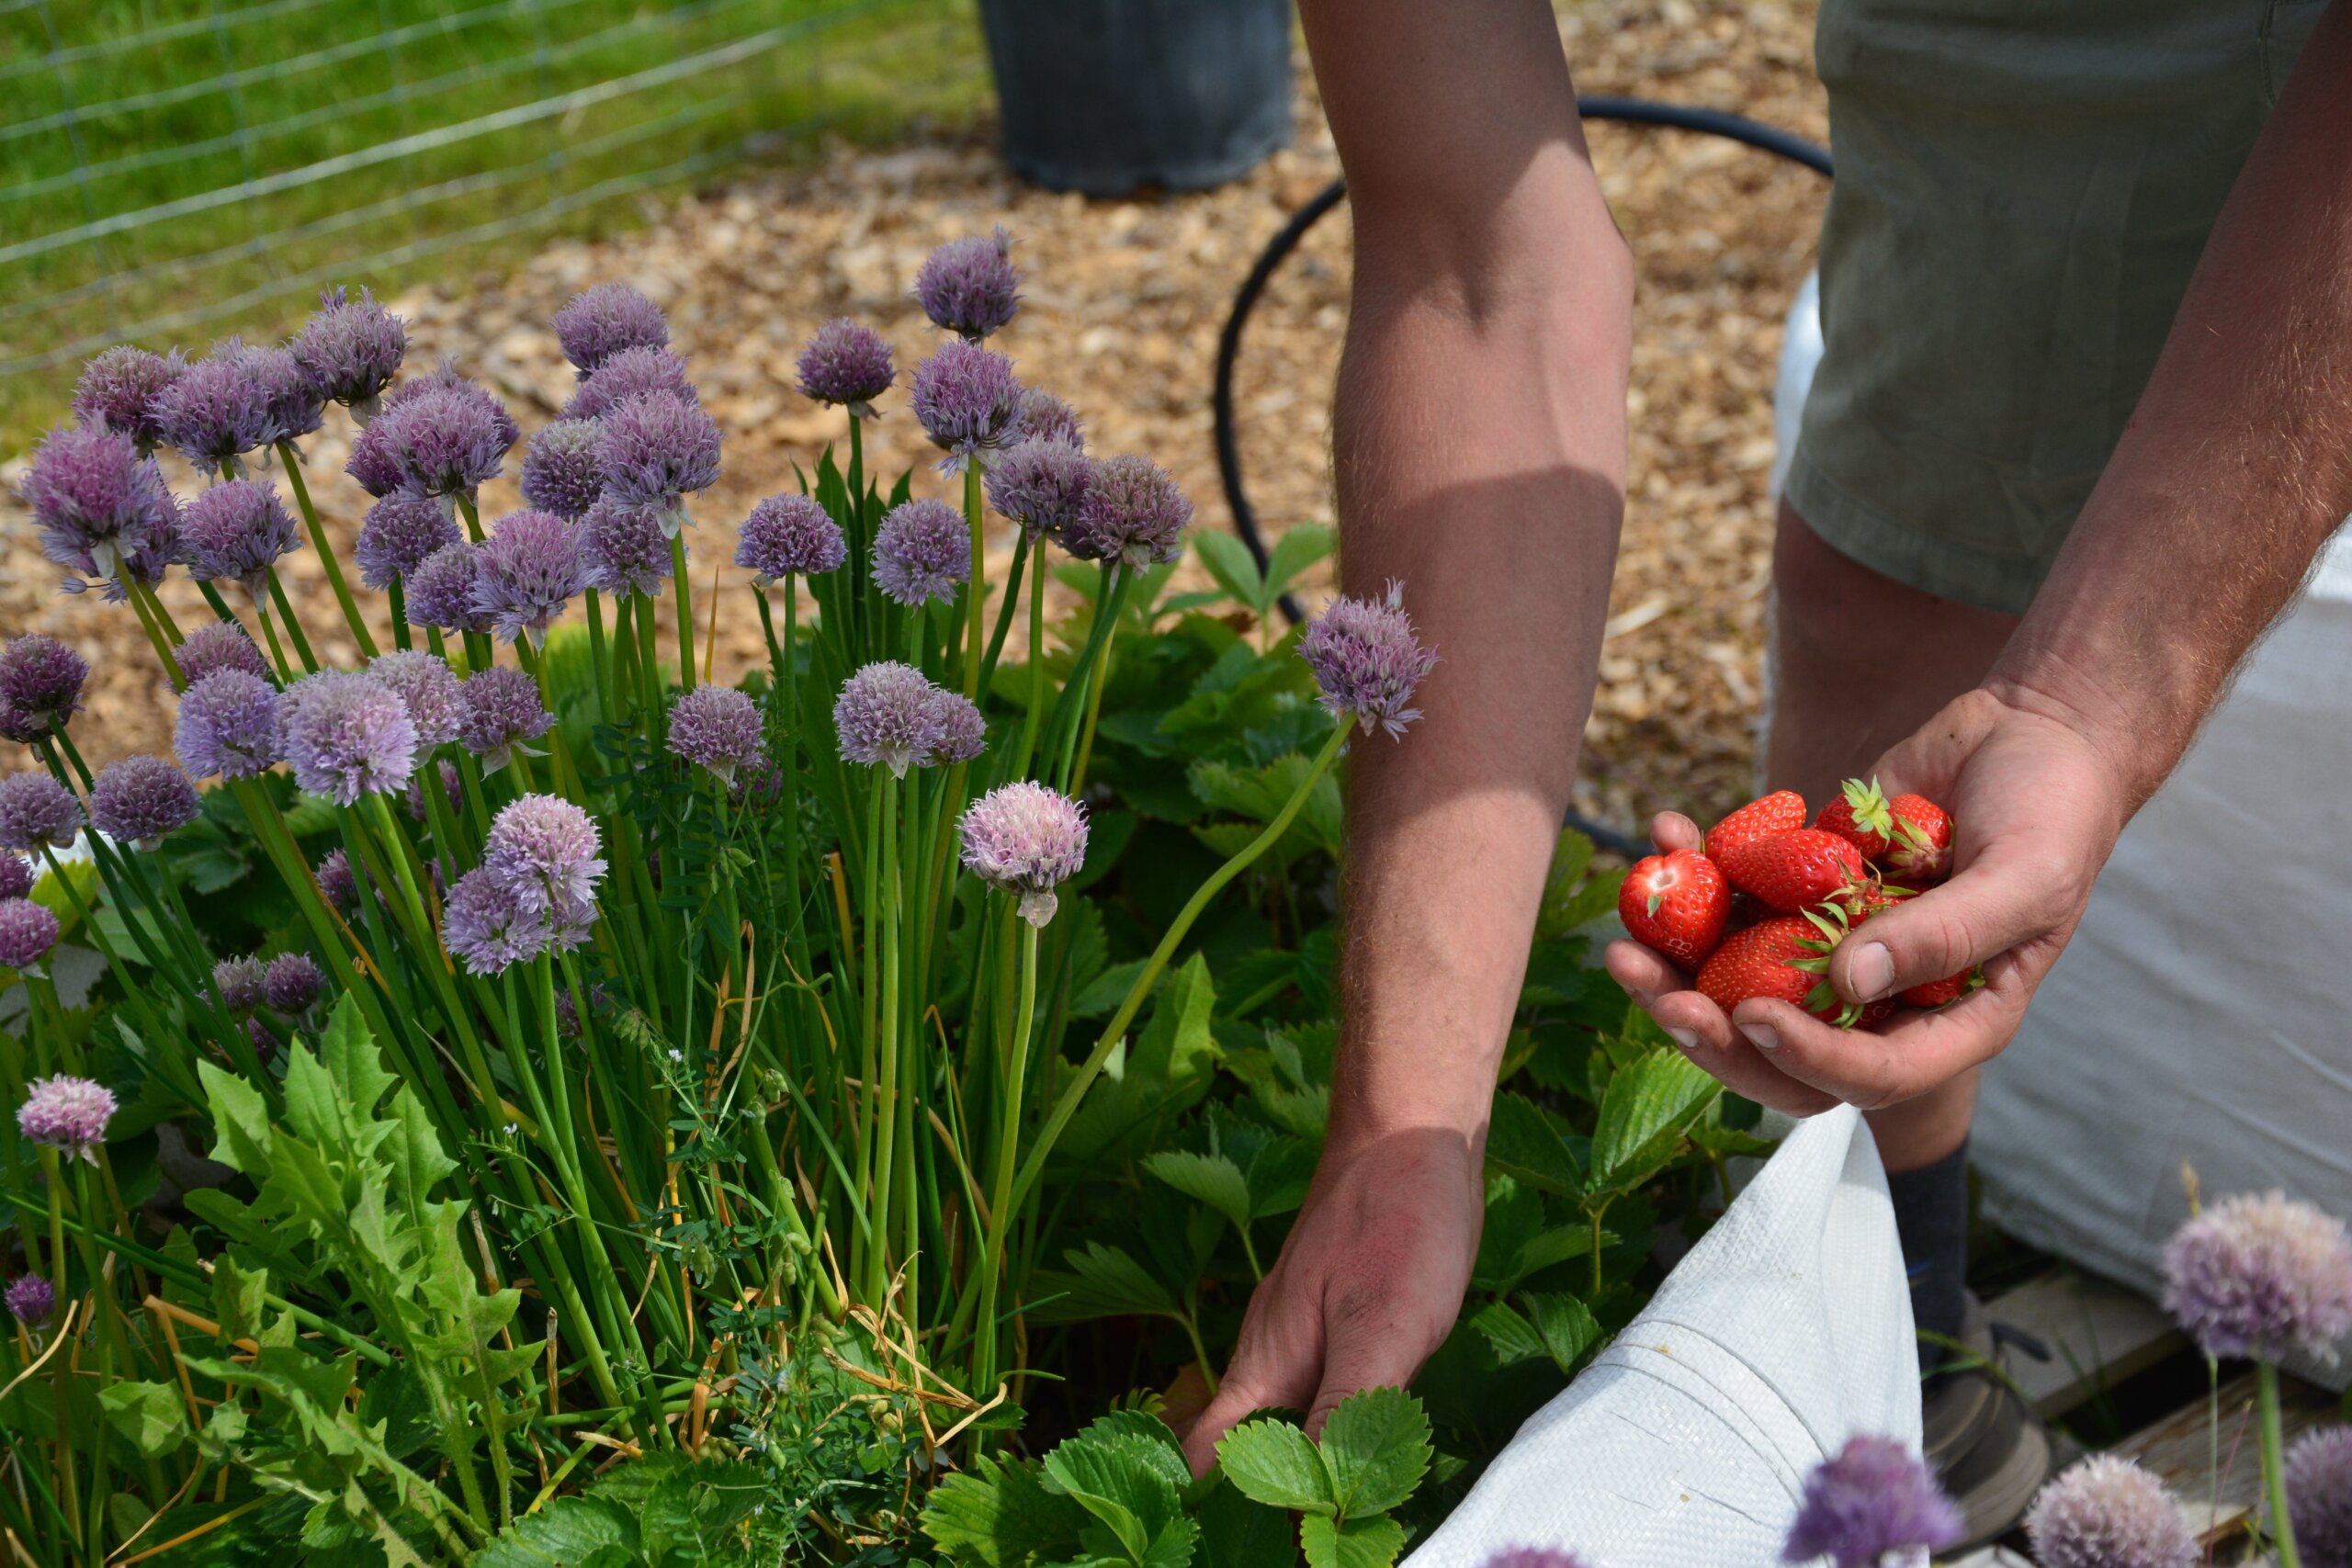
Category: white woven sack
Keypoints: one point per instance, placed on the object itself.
(1686, 1443)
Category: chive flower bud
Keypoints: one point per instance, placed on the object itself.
(1130, 510)
(599, 322)
(243, 982)
(1026, 840)
(68, 1114)
(560, 469)
(28, 932)
(119, 391)
(337, 885)
(351, 350)
(16, 877)
(526, 572)
(1368, 660)
(968, 286)
(2260, 1276)
(37, 812)
(790, 535)
(230, 723)
(141, 801)
(848, 364)
(30, 1299)
(2107, 1512)
(293, 983)
(237, 531)
(347, 734)
(40, 686)
(1874, 1497)
(922, 552)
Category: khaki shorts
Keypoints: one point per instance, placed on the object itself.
(2023, 188)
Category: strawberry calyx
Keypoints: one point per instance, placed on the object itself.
(1869, 805)
(1822, 1001)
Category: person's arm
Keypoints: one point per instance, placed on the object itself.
(1479, 439)
(2234, 470)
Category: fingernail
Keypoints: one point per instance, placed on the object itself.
(1763, 1036)
(1686, 1038)
(1874, 971)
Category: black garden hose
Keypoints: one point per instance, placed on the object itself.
(1626, 111)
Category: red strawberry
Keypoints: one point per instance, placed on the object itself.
(1675, 903)
(1874, 1014)
(1779, 959)
(1860, 816)
(1921, 849)
(1937, 993)
(1795, 868)
(1775, 813)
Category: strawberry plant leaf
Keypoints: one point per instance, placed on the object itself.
(1121, 1485)
(1272, 1462)
(1236, 1532)
(566, 1531)
(1376, 1446)
(1512, 1338)
(1567, 1327)
(1102, 1281)
(1371, 1542)
(1649, 1105)
(1211, 1180)
(998, 1512)
(1230, 563)
(1301, 546)
(1523, 1144)
(1279, 1176)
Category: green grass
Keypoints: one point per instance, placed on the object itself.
(130, 115)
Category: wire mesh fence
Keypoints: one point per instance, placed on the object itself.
(174, 169)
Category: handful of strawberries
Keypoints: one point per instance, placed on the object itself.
(1756, 912)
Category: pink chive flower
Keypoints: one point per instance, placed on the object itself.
(2260, 1276)
(68, 1114)
(292, 983)
(238, 531)
(16, 877)
(922, 552)
(216, 410)
(790, 535)
(885, 717)
(630, 373)
(1873, 1498)
(446, 436)
(624, 547)
(347, 734)
(716, 727)
(2107, 1512)
(37, 813)
(1368, 660)
(847, 364)
(503, 715)
(141, 801)
(1024, 840)
(1042, 485)
(428, 687)
(96, 500)
(119, 391)
(30, 1299)
(1045, 417)
(1130, 510)
(352, 349)
(545, 848)
(486, 924)
(27, 931)
(441, 590)
(527, 572)
(968, 286)
(560, 469)
(219, 644)
(292, 398)
(40, 686)
(230, 723)
(400, 534)
(2319, 1496)
(655, 449)
(963, 733)
(968, 403)
(599, 322)
(337, 885)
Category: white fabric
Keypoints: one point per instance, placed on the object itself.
(1785, 1331)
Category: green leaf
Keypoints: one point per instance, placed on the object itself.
(565, 1533)
(148, 1416)
(1119, 1485)
(239, 1118)
(1301, 546)
(1376, 1446)
(1371, 1542)
(1230, 562)
(1211, 1180)
(1513, 1337)
(999, 1513)
(1571, 858)
(1102, 996)
(1102, 1281)
(1569, 1329)
(1272, 1462)
(1523, 1144)
(1238, 1533)
(1279, 1176)
(1648, 1107)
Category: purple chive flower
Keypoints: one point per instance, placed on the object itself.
(846, 364)
(560, 472)
(400, 534)
(716, 727)
(963, 733)
(292, 983)
(624, 547)
(337, 885)
(2260, 1276)
(628, 374)
(599, 322)
(1131, 511)
(217, 410)
(790, 535)
(487, 925)
(445, 439)
(2107, 1512)
(120, 389)
(40, 686)
(67, 1115)
(503, 713)
(1873, 1498)
(920, 552)
(96, 500)
(428, 687)
(141, 801)
(2319, 1496)
(145, 566)
(351, 350)
(30, 1298)
(545, 848)
(238, 530)
(264, 1043)
(968, 288)
(347, 734)
(1025, 840)
(441, 590)
(16, 877)
(231, 724)
(1045, 417)
(243, 982)
(655, 449)
(1041, 484)
(1368, 660)
(37, 812)
(968, 403)
(529, 568)
(293, 398)
(219, 644)
(28, 930)
(1534, 1557)
(885, 716)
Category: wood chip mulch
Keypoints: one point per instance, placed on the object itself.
(1123, 304)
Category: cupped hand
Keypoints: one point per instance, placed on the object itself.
(1368, 1284)
(2036, 808)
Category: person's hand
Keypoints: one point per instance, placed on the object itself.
(1369, 1283)
(2036, 807)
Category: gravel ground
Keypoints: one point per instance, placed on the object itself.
(1124, 300)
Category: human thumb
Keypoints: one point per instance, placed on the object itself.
(1258, 1380)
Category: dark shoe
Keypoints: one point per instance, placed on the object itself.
(1990, 1451)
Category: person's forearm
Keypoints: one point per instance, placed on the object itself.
(2237, 463)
